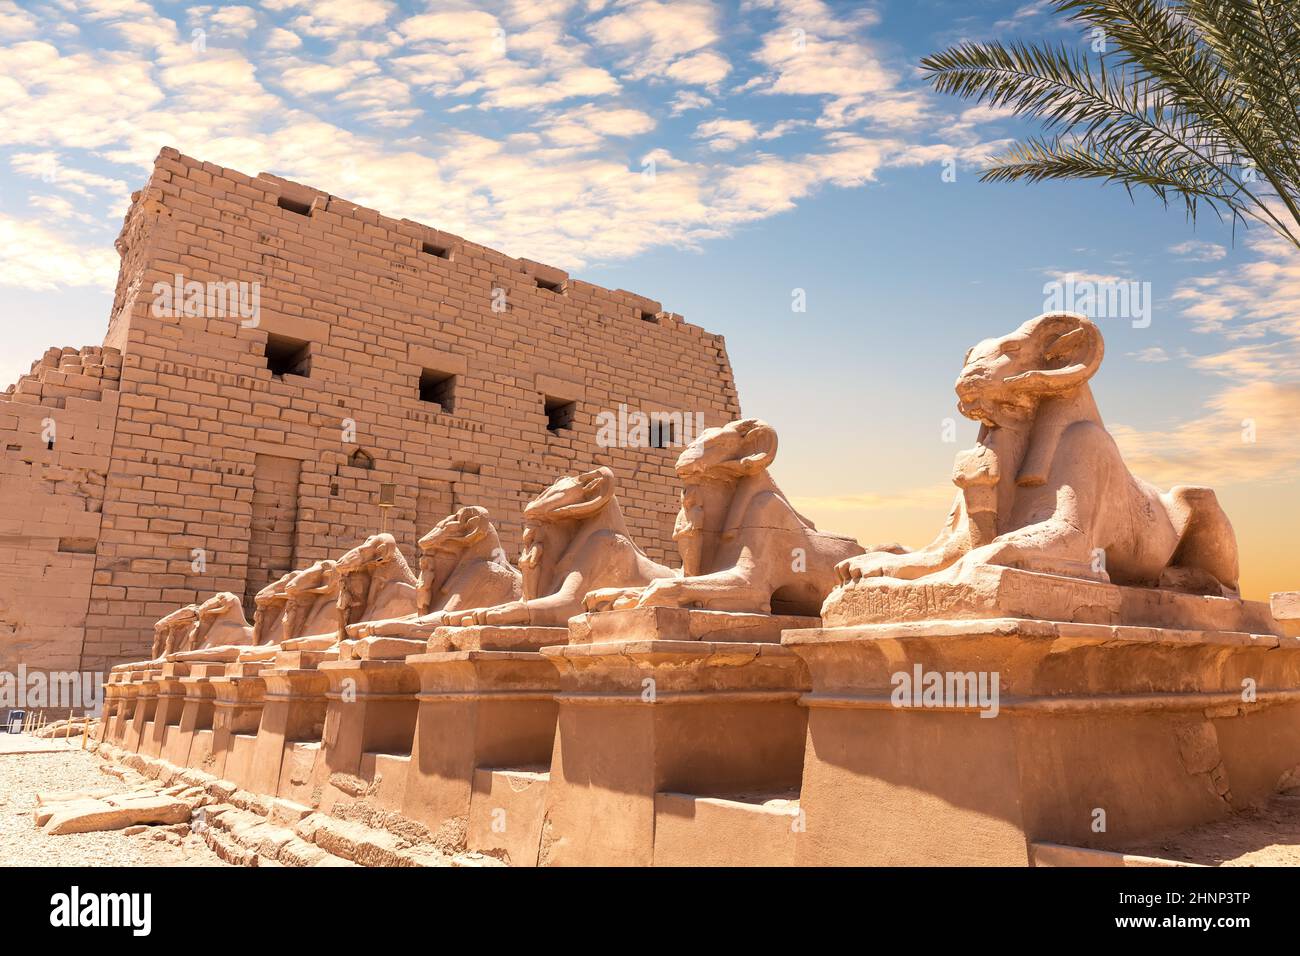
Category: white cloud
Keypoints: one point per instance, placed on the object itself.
(1199, 251)
(1260, 297)
(59, 208)
(470, 53)
(501, 181)
(702, 69)
(280, 39)
(725, 134)
(49, 167)
(686, 100)
(134, 21)
(817, 51)
(590, 126)
(307, 78)
(35, 257)
(652, 34)
(1245, 434)
(333, 19)
(15, 22)
(1246, 429)
(234, 22)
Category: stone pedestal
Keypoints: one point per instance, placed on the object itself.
(371, 711)
(486, 700)
(144, 701)
(237, 711)
(961, 741)
(1285, 606)
(119, 705)
(293, 712)
(167, 711)
(646, 707)
(189, 744)
(507, 814)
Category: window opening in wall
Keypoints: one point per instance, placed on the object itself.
(294, 206)
(438, 388)
(559, 413)
(438, 252)
(286, 356)
(362, 459)
(663, 434)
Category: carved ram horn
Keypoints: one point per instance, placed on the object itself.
(475, 521)
(1081, 344)
(598, 486)
(760, 437)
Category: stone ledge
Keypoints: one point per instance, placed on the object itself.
(682, 624)
(991, 591)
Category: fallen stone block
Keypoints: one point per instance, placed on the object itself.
(426, 856)
(228, 850)
(223, 790)
(287, 812)
(298, 852)
(307, 826)
(115, 813)
(63, 796)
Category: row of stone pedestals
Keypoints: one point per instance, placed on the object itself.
(673, 736)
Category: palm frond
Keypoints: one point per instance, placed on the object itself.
(1159, 40)
(1195, 98)
(1039, 160)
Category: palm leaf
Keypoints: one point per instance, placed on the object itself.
(1196, 96)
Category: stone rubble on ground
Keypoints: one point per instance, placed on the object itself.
(241, 828)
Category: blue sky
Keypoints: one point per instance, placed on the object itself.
(714, 156)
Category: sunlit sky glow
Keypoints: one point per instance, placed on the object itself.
(793, 146)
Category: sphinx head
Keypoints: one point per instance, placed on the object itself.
(382, 548)
(572, 498)
(457, 532)
(376, 549)
(738, 448)
(219, 604)
(1004, 379)
(181, 616)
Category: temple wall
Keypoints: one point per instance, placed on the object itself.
(383, 352)
(56, 438)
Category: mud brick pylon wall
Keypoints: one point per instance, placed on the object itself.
(186, 465)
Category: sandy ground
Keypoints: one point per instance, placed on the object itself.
(1268, 836)
(29, 766)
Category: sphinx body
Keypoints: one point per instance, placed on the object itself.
(220, 632)
(269, 607)
(370, 582)
(1045, 488)
(311, 596)
(462, 566)
(575, 541)
(305, 600)
(169, 632)
(173, 631)
(226, 634)
(743, 545)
